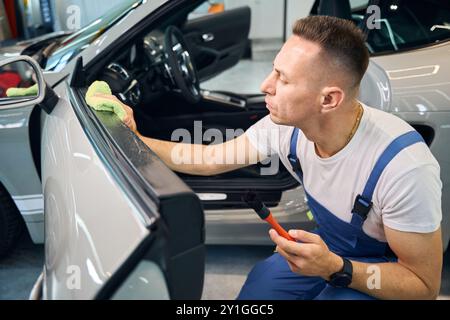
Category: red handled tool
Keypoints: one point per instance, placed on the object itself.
(263, 212)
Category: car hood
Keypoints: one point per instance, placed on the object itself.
(419, 78)
(12, 50)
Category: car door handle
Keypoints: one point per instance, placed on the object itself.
(207, 37)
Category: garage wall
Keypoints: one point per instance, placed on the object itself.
(90, 10)
(267, 17)
(4, 26)
(296, 10)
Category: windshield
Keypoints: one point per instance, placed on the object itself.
(76, 42)
(406, 24)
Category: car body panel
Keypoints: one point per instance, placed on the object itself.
(16, 157)
(91, 226)
(17, 165)
(146, 282)
(243, 226)
(421, 96)
(440, 122)
(419, 78)
(179, 208)
(375, 89)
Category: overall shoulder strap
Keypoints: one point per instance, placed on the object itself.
(292, 157)
(363, 202)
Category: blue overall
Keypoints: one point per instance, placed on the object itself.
(272, 279)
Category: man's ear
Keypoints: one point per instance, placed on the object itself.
(331, 98)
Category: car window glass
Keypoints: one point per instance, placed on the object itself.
(358, 4)
(358, 8)
(409, 24)
(78, 41)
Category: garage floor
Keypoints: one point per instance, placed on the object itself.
(226, 266)
(226, 270)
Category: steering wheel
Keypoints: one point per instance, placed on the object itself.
(179, 65)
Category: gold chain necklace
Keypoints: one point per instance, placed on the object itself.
(352, 133)
(355, 126)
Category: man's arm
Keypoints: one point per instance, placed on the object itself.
(205, 160)
(416, 275)
(197, 159)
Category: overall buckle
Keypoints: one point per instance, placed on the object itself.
(295, 163)
(362, 206)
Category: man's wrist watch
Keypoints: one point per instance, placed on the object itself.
(343, 278)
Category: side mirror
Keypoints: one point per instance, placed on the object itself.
(21, 82)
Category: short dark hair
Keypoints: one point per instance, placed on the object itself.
(340, 39)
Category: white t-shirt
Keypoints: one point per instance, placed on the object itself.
(408, 194)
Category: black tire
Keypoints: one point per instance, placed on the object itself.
(11, 223)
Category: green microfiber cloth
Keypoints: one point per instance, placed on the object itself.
(22, 92)
(102, 104)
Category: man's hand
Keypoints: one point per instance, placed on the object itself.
(129, 118)
(311, 257)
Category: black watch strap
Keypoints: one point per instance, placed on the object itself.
(343, 278)
(348, 267)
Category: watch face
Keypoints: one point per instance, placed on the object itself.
(342, 280)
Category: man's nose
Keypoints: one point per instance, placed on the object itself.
(268, 85)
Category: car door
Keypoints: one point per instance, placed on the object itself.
(118, 222)
(218, 41)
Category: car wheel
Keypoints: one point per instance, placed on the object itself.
(11, 223)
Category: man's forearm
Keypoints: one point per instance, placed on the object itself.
(206, 160)
(198, 159)
(395, 282)
(164, 150)
(388, 281)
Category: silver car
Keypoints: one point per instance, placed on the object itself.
(119, 223)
